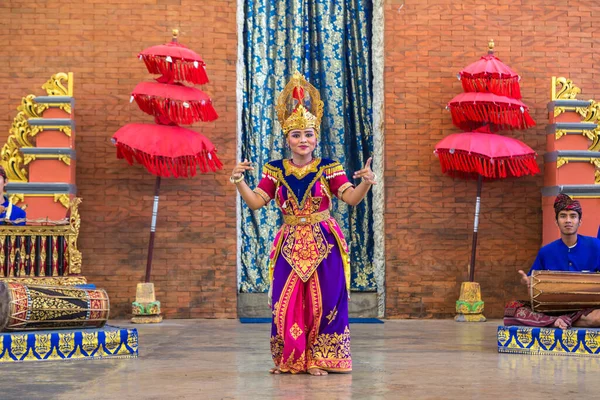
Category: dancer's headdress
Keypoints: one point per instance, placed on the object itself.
(299, 105)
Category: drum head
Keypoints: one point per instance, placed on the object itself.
(4, 305)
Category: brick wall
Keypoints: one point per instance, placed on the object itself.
(194, 261)
(428, 216)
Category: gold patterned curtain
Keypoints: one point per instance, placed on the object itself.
(330, 43)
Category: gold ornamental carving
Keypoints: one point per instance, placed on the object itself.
(59, 84)
(591, 113)
(579, 110)
(73, 251)
(66, 129)
(595, 138)
(560, 133)
(63, 199)
(30, 108)
(566, 91)
(48, 281)
(13, 162)
(597, 177)
(28, 158)
(560, 161)
(21, 131)
(20, 134)
(591, 134)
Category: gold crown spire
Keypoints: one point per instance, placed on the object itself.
(299, 105)
(491, 46)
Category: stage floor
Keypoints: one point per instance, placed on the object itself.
(224, 359)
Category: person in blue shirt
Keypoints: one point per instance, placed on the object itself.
(9, 213)
(572, 252)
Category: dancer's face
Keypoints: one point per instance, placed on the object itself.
(302, 141)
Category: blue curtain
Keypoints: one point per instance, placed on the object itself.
(329, 41)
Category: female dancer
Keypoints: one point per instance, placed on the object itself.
(309, 263)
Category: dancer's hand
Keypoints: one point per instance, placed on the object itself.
(242, 167)
(366, 173)
(525, 280)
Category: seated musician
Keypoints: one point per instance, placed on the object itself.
(572, 252)
(9, 213)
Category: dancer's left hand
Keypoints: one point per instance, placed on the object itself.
(366, 173)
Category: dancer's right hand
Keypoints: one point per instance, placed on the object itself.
(525, 280)
(242, 167)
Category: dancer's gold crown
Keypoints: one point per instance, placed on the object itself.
(299, 105)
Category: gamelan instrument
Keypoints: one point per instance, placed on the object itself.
(559, 291)
(31, 307)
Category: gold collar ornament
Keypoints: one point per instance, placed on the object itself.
(299, 105)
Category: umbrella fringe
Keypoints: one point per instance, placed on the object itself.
(469, 116)
(178, 167)
(175, 111)
(485, 84)
(177, 70)
(462, 164)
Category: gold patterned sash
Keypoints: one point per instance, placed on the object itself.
(310, 219)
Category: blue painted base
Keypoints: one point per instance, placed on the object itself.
(69, 344)
(549, 341)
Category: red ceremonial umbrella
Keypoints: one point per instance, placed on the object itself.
(489, 74)
(175, 62)
(177, 103)
(472, 110)
(166, 151)
(490, 104)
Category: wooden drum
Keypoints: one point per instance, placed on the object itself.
(553, 291)
(30, 307)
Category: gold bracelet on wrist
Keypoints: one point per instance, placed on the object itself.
(236, 180)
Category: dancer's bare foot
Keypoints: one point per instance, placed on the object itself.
(560, 324)
(317, 372)
(275, 371)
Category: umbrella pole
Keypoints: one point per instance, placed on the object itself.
(152, 229)
(475, 227)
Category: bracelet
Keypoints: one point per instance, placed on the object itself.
(236, 180)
